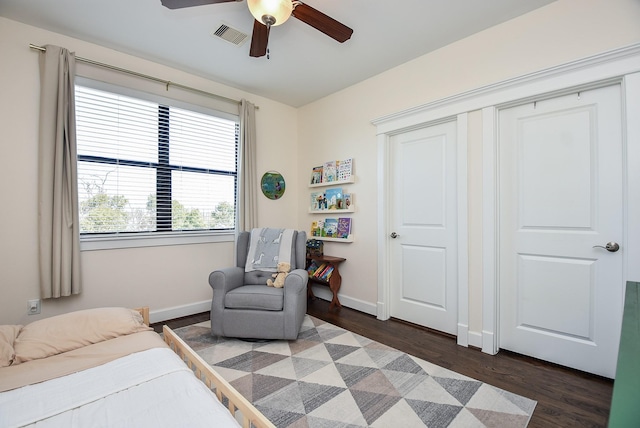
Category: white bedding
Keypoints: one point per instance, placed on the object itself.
(152, 388)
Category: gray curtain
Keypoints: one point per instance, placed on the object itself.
(246, 210)
(58, 222)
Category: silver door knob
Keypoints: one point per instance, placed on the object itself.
(610, 246)
(394, 235)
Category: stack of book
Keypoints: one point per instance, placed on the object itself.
(321, 271)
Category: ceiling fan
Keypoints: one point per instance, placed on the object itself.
(269, 13)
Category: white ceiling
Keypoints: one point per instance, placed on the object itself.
(305, 65)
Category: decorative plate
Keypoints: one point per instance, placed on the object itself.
(272, 185)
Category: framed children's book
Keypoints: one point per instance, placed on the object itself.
(316, 175)
(329, 172)
(344, 169)
(317, 228)
(343, 228)
(334, 198)
(318, 201)
(330, 227)
(348, 200)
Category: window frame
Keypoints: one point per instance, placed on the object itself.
(102, 241)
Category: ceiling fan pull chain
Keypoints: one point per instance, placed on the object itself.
(268, 31)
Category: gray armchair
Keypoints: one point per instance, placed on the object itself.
(243, 306)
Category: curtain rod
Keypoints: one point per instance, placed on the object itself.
(167, 83)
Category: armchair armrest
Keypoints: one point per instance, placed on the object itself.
(224, 280)
(295, 301)
(296, 282)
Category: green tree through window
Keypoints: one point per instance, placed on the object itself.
(223, 216)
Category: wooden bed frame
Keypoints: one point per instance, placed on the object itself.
(144, 311)
(239, 406)
(250, 416)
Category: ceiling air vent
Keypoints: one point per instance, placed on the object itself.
(230, 34)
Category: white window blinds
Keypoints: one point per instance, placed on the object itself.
(145, 166)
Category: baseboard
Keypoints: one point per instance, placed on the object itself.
(463, 335)
(205, 305)
(179, 311)
(488, 346)
(382, 314)
(359, 305)
(474, 339)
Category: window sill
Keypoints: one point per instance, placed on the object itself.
(112, 242)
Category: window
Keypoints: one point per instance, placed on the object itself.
(147, 167)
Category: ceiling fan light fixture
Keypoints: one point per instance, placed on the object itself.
(270, 12)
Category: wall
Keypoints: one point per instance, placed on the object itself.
(339, 125)
(336, 127)
(169, 279)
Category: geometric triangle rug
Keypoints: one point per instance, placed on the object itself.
(331, 377)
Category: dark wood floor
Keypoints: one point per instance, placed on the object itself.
(182, 322)
(566, 398)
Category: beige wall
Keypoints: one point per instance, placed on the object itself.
(165, 278)
(336, 127)
(339, 125)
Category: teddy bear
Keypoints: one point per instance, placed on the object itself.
(283, 270)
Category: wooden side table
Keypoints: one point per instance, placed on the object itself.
(334, 282)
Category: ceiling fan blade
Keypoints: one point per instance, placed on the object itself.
(322, 22)
(179, 4)
(259, 39)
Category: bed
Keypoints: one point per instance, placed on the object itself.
(107, 367)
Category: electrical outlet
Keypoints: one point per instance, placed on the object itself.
(33, 307)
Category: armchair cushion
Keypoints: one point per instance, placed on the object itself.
(259, 297)
(257, 277)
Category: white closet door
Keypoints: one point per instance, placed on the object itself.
(560, 193)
